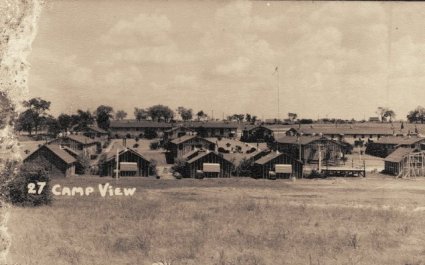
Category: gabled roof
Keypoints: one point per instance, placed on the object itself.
(178, 128)
(396, 140)
(398, 154)
(344, 130)
(82, 139)
(183, 139)
(203, 153)
(139, 124)
(217, 125)
(252, 127)
(70, 151)
(303, 140)
(267, 158)
(186, 138)
(57, 151)
(111, 156)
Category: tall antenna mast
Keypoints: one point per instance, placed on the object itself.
(276, 70)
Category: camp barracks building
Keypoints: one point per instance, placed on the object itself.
(134, 128)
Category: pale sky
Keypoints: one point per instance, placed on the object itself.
(341, 59)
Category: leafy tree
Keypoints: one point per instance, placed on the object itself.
(103, 115)
(292, 116)
(201, 115)
(238, 117)
(120, 115)
(186, 114)
(417, 115)
(26, 122)
(160, 112)
(248, 117)
(64, 121)
(35, 114)
(244, 168)
(53, 126)
(82, 119)
(385, 113)
(140, 114)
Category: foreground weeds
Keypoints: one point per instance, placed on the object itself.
(214, 227)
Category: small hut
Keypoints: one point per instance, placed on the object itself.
(207, 163)
(54, 159)
(279, 164)
(130, 163)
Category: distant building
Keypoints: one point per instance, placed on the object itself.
(374, 119)
(79, 143)
(213, 129)
(349, 134)
(257, 134)
(331, 151)
(187, 143)
(279, 164)
(207, 164)
(95, 132)
(386, 145)
(130, 163)
(394, 162)
(177, 132)
(134, 128)
(54, 159)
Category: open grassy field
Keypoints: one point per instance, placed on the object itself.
(374, 220)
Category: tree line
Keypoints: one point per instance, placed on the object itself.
(36, 117)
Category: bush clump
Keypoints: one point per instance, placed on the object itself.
(19, 189)
(154, 145)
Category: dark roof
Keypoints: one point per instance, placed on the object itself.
(177, 128)
(70, 151)
(303, 140)
(186, 138)
(398, 154)
(183, 139)
(344, 130)
(111, 156)
(203, 153)
(82, 139)
(400, 140)
(57, 151)
(252, 127)
(237, 157)
(211, 125)
(267, 158)
(139, 124)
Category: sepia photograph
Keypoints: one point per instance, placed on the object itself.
(212, 132)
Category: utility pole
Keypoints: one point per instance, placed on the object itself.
(276, 70)
(117, 165)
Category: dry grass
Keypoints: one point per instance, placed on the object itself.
(228, 221)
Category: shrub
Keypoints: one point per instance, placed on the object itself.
(152, 167)
(178, 167)
(84, 163)
(154, 145)
(128, 136)
(17, 189)
(252, 150)
(150, 133)
(135, 145)
(222, 150)
(137, 138)
(106, 144)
